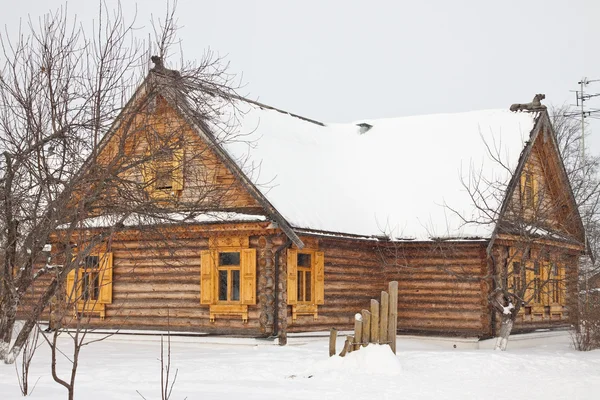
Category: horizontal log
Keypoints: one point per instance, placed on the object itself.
(170, 252)
(446, 315)
(221, 325)
(157, 262)
(447, 326)
(456, 285)
(150, 287)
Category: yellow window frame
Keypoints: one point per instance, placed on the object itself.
(209, 277)
(75, 283)
(175, 166)
(317, 270)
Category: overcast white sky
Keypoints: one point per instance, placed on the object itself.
(343, 60)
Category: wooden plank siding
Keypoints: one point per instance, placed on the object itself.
(552, 209)
(207, 182)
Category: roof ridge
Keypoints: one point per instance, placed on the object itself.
(263, 105)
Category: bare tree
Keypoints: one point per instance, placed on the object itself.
(29, 349)
(78, 157)
(167, 382)
(80, 295)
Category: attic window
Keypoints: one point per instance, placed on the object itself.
(363, 128)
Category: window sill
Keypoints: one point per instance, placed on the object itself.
(304, 309)
(165, 194)
(229, 309)
(92, 308)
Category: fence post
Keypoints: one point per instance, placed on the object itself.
(347, 346)
(366, 327)
(393, 314)
(383, 317)
(332, 339)
(357, 330)
(374, 321)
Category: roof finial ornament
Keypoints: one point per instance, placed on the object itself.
(158, 63)
(159, 66)
(535, 105)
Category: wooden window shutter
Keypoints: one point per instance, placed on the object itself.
(71, 294)
(106, 278)
(292, 276)
(178, 157)
(319, 277)
(147, 170)
(534, 189)
(248, 276)
(545, 286)
(562, 285)
(530, 283)
(523, 179)
(208, 276)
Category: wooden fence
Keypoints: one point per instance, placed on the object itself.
(377, 325)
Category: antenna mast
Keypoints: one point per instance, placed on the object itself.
(581, 97)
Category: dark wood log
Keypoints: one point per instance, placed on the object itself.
(374, 321)
(332, 341)
(393, 314)
(358, 326)
(383, 316)
(347, 346)
(366, 327)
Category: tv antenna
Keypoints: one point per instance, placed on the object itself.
(581, 96)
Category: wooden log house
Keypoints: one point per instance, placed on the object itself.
(336, 212)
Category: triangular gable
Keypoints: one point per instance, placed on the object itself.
(157, 85)
(539, 191)
(180, 104)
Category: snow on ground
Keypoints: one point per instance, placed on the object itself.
(220, 368)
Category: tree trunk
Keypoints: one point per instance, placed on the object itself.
(8, 355)
(505, 329)
(8, 314)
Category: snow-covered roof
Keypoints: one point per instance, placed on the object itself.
(206, 217)
(399, 177)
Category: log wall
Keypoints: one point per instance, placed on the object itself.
(353, 275)
(440, 288)
(156, 284)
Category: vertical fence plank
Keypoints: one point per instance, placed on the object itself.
(374, 321)
(366, 327)
(383, 318)
(393, 314)
(347, 346)
(332, 339)
(357, 330)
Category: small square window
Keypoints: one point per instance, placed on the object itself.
(92, 262)
(229, 258)
(304, 260)
(164, 178)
